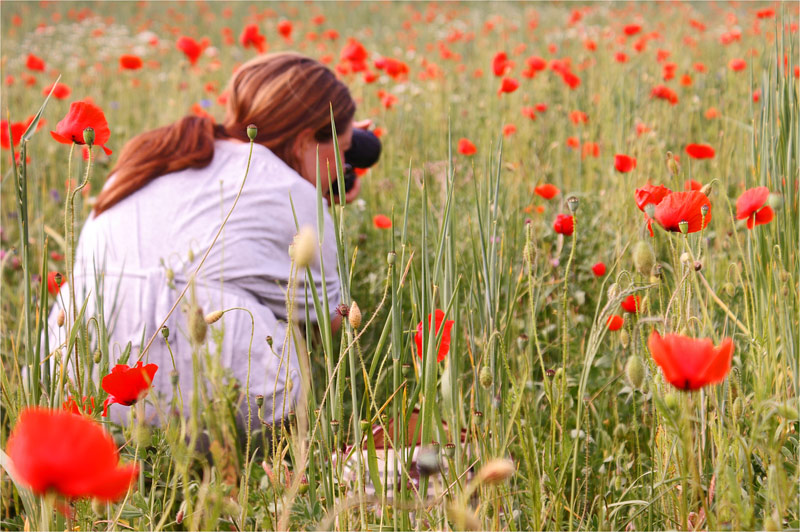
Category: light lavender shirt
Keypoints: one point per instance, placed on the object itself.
(169, 224)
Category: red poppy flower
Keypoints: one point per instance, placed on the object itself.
(752, 206)
(444, 346)
(508, 85)
(737, 65)
(700, 151)
(60, 91)
(650, 194)
(509, 129)
(355, 54)
(765, 13)
(564, 224)
(590, 149)
(579, 117)
(536, 63)
(191, 48)
(631, 304)
(573, 142)
(130, 62)
(615, 322)
(53, 450)
(54, 283)
(683, 206)
(80, 116)
(71, 405)
(632, 29)
(664, 93)
(251, 36)
(621, 57)
(624, 163)
(691, 184)
(465, 147)
(35, 63)
(17, 130)
(540, 107)
(570, 79)
(381, 221)
(691, 363)
(125, 385)
(599, 269)
(547, 191)
(285, 29)
(500, 64)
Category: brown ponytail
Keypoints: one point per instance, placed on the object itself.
(281, 93)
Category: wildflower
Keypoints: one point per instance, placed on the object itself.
(54, 283)
(564, 224)
(700, 151)
(632, 29)
(752, 206)
(465, 147)
(689, 363)
(624, 163)
(444, 346)
(663, 92)
(599, 269)
(125, 385)
(71, 405)
(631, 304)
(508, 85)
(60, 91)
(35, 63)
(82, 115)
(130, 62)
(691, 184)
(737, 65)
(500, 64)
(614, 322)
(547, 191)
(650, 194)
(285, 29)
(683, 207)
(53, 450)
(381, 221)
(509, 129)
(191, 48)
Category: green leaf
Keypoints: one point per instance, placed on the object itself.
(32, 127)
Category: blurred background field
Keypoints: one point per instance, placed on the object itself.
(591, 449)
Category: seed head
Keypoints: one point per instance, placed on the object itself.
(683, 225)
(252, 132)
(573, 203)
(88, 136)
(165, 332)
(391, 257)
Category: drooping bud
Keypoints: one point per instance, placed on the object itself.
(190, 255)
(573, 203)
(88, 136)
(98, 356)
(213, 317)
(706, 190)
(729, 289)
(174, 378)
(252, 131)
(612, 291)
(486, 378)
(354, 316)
(197, 325)
(643, 257)
(635, 371)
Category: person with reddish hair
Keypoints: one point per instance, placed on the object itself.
(163, 204)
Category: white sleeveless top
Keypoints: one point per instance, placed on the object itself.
(169, 223)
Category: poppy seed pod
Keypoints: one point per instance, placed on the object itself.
(259, 401)
(428, 461)
(650, 210)
(197, 325)
(213, 317)
(354, 316)
(683, 226)
(391, 257)
(573, 203)
(643, 257)
(252, 131)
(635, 371)
(88, 136)
(165, 332)
(450, 450)
(174, 378)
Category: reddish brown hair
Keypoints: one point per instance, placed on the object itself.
(282, 94)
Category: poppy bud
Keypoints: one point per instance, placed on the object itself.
(698, 265)
(706, 190)
(635, 372)
(61, 318)
(181, 513)
(672, 165)
(643, 257)
(787, 411)
(197, 325)
(478, 416)
(190, 255)
(683, 225)
(486, 379)
(88, 136)
(289, 385)
(165, 332)
(364, 425)
(729, 289)
(354, 316)
(497, 471)
(737, 408)
(428, 461)
(624, 338)
(252, 131)
(170, 275)
(98, 356)
(303, 489)
(704, 210)
(406, 370)
(573, 203)
(391, 257)
(303, 248)
(213, 317)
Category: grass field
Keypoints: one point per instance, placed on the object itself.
(540, 375)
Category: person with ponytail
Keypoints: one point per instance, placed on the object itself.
(162, 206)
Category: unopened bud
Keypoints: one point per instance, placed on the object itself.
(624, 338)
(497, 471)
(197, 325)
(213, 317)
(573, 203)
(252, 131)
(354, 315)
(486, 379)
(706, 190)
(61, 318)
(303, 249)
(170, 274)
(635, 372)
(729, 289)
(365, 426)
(190, 255)
(98, 356)
(672, 165)
(88, 136)
(643, 257)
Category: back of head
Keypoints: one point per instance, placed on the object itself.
(283, 94)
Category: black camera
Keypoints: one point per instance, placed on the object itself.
(365, 150)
